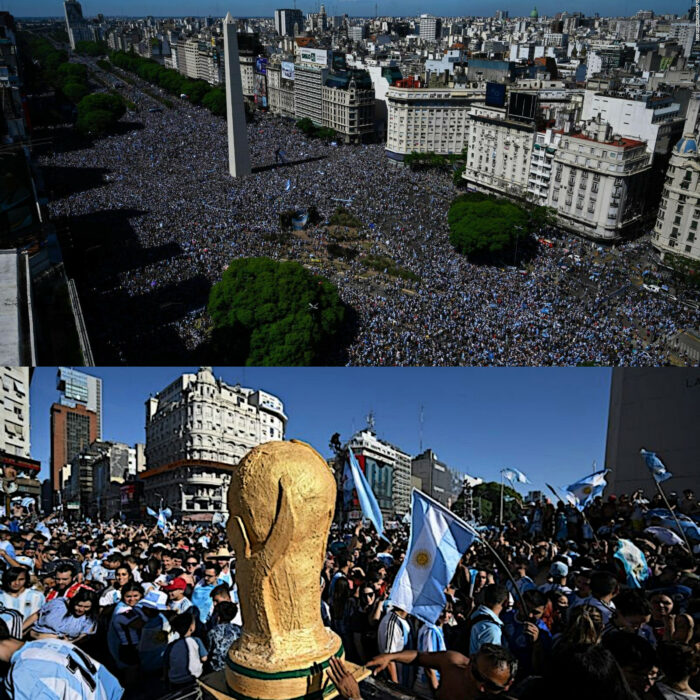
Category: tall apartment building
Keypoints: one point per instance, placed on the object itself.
(541, 163)
(499, 151)
(310, 72)
(348, 105)
(684, 33)
(79, 388)
(600, 183)
(76, 26)
(427, 120)
(438, 480)
(285, 21)
(388, 471)
(14, 411)
(197, 428)
(280, 88)
(676, 230)
(73, 428)
(430, 28)
(630, 29)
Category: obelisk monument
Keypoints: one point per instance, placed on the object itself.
(238, 151)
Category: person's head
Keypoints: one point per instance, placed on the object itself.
(83, 603)
(494, 596)
(191, 563)
(367, 596)
(536, 602)
(14, 579)
(176, 589)
(583, 672)
(183, 624)
(167, 559)
(220, 594)
(343, 561)
(64, 575)
(226, 611)
(661, 605)
(558, 571)
(211, 573)
(122, 576)
(560, 602)
(632, 610)
(603, 585)
(491, 671)
(481, 579)
(677, 661)
(636, 658)
(689, 494)
(585, 626)
(582, 583)
(132, 593)
(113, 561)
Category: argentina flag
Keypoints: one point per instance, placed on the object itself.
(633, 561)
(368, 502)
(586, 489)
(437, 542)
(656, 466)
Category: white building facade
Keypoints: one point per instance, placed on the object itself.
(14, 411)
(197, 428)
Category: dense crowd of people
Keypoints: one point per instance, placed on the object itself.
(189, 219)
(98, 607)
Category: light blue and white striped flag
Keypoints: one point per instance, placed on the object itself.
(437, 542)
(634, 561)
(656, 466)
(161, 518)
(513, 475)
(586, 489)
(368, 501)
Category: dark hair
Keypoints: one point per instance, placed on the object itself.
(226, 611)
(115, 557)
(582, 628)
(630, 650)
(181, 623)
(131, 586)
(343, 559)
(11, 574)
(494, 594)
(63, 568)
(4, 631)
(534, 598)
(220, 590)
(631, 602)
(586, 671)
(212, 565)
(602, 584)
(498, 657)
(678, 661)
(83, 595)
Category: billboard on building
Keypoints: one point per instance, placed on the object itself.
(287, 70)
(260, 90)
(261, 65)
(318, 57)
(495, 94)
(338, 61)
(522, 105)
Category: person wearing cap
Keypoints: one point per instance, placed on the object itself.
(176, 595)
(558, 573)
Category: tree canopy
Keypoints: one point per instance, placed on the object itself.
(487, 502)
(274, 313)
(98, 112)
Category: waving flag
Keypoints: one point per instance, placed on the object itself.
(513, 475)
(656, 466)
(634, 561)
(586, 489)
(368, 502)
(664, 535)
(437, 542)
(161, 517)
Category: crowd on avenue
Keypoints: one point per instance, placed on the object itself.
(105, 609)
(164, 186)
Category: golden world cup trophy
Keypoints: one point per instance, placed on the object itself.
(281, 502)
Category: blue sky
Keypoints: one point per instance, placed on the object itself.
(180, 8)
(549, 423)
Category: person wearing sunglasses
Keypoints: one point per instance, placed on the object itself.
(490, 671)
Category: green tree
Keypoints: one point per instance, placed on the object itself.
(483, 226)
(274, 313)
(215, 101)
(91, 48)
(490, 494)
(307, 126)
(75, 91)
(108, 102)
(95, 122)
(72, 72)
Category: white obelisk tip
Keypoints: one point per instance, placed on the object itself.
(228, 18)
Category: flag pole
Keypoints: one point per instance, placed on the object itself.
(500, 517)
(675, 517)
(583, 514)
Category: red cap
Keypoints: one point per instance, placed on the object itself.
(177, 584)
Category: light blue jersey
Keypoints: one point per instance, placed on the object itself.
(430, 639)
(54, 669)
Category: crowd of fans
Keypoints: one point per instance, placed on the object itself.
(150, 610)
(167, 184)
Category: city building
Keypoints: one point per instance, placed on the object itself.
(427, 120)
(600, 183)
(76, 26)
(17, 339)
(437, 479)
(388, 472)
(348, 105)
(197, 428)
(655, 409)
(676, 230)
(80, 388)
(285, 21)
(280, 88)
(310, 72)
(14, 410)
(73, 428)
(430, 28)
(540, 175)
